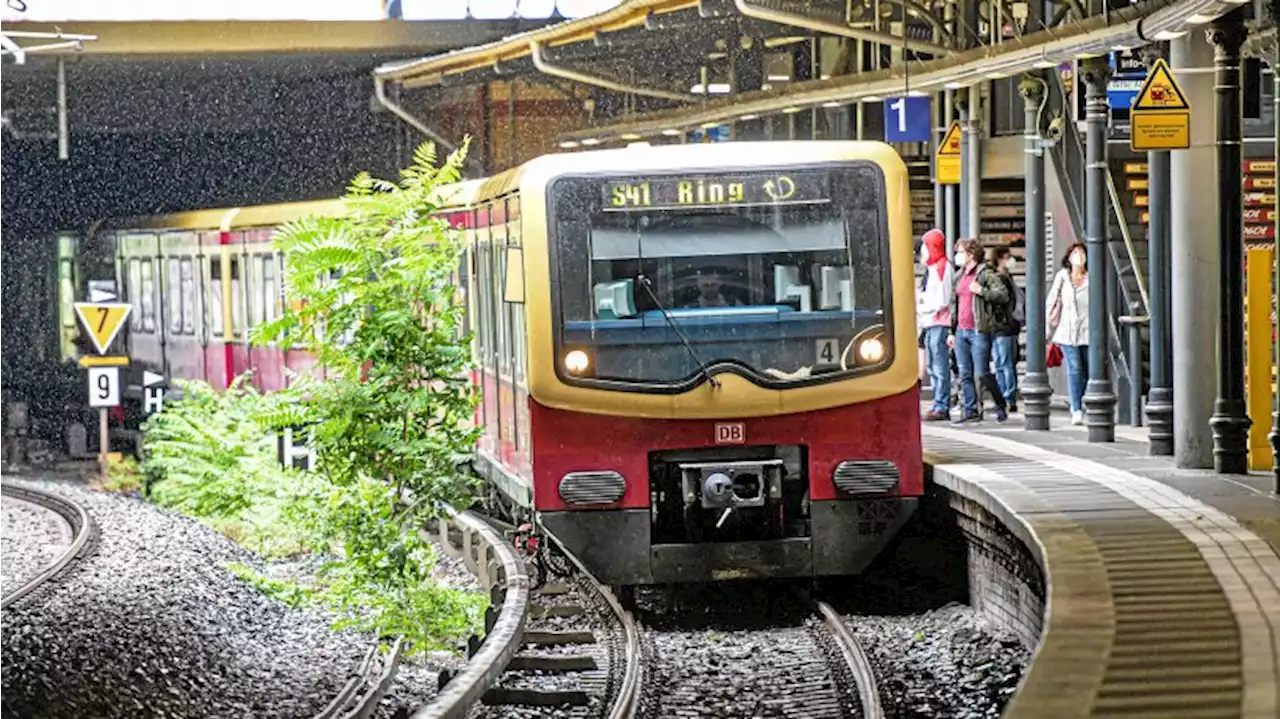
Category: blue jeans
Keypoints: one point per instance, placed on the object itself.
(939, 359)
(1076, 359)
(973, 356)
(1005, 351)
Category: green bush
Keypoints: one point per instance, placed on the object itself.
(371, 294)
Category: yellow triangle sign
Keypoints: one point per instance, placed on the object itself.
(103, 320)
(951, 141)
(1160, 91)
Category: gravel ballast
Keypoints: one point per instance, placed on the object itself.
(31, 538)
(152, 624)
(950, 662)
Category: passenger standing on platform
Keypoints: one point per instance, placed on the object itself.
(933, 316)
(1005, 347)
(1067, 315)
(979, 298)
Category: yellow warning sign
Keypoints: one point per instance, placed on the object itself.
(948, 158)
(103, 320)
(1160, 91)
(1160, 118)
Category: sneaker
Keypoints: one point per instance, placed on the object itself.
(968, 418)
(1077, 418)
(936, 416)
(1001, 415)
(1013, 408)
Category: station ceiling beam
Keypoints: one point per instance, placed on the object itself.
(1130, 27)
(760, 12)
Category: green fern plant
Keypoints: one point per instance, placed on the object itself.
(372, 294)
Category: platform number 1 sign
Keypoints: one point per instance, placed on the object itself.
(907, 119)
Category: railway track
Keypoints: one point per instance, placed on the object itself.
(82, 532)
(567, 648)
(811, 668)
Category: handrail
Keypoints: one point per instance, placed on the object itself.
(1128, 241)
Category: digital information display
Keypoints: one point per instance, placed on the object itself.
(705, 191)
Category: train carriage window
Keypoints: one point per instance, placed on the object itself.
(270, 295)
(215, 296)
(135, 293)
(148, 295)
(187, 284)
(172, 287)
(236, 302)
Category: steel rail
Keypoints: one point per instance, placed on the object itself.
(82, 528)
(376, 678)
(859, 665)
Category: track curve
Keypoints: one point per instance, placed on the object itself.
(82, 528)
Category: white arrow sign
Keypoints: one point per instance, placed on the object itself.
(101, 292)
(149, 378)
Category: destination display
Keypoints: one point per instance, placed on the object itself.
(705, 191)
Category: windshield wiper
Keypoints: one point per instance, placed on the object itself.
(644, 282)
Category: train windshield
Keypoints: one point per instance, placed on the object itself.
(662, 280)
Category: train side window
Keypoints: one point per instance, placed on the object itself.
(135, 293)
(148, 295)
(215, 296)
(187, 284)
(270, 296)
(172, 287)
(236, 315)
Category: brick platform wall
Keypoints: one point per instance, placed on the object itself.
(1006, 582)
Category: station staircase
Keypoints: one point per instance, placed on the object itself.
(1127, 244)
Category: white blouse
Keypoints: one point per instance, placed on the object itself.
(1073, 326)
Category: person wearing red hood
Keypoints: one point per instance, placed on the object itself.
(933, 317)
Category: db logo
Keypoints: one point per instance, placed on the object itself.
(731, 433)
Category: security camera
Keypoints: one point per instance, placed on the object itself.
(1053, 133)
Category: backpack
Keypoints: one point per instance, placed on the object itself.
(1004, 315)
(1018, 312)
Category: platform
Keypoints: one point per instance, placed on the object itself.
(1163, 585)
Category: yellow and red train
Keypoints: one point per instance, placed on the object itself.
(697, 362)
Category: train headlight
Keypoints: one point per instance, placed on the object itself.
(577, 361)
(871, 350)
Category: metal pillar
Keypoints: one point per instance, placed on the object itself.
(962, 203)
(1160, 397)
(973, 163)
(1099, 400)
(935, 141)
(1035, 387)
(1230, 422)
(952, 192)
(1274, 436)
(64, 137)
(1193, 230)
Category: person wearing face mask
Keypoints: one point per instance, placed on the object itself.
(1004, 347)
(979, 298)
(933, 316)
(1067, 316)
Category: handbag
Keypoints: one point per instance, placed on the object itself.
(1055, 310)
(1053, 357)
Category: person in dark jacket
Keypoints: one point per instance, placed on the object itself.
(1004, 348)
(979, 298)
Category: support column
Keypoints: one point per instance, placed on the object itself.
(1230, 421)
(935, 141)
(962, 203)
(1192, 228)
(1099, 400)
(1035, 386)
(748, 76)
(1274, 436)
(973, 163)
(1160, 396)
(952, 192)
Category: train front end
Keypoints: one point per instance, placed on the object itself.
(722, 359)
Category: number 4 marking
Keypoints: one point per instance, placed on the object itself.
(827, 350)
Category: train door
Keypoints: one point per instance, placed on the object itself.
(184, 349)
(216, 369)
